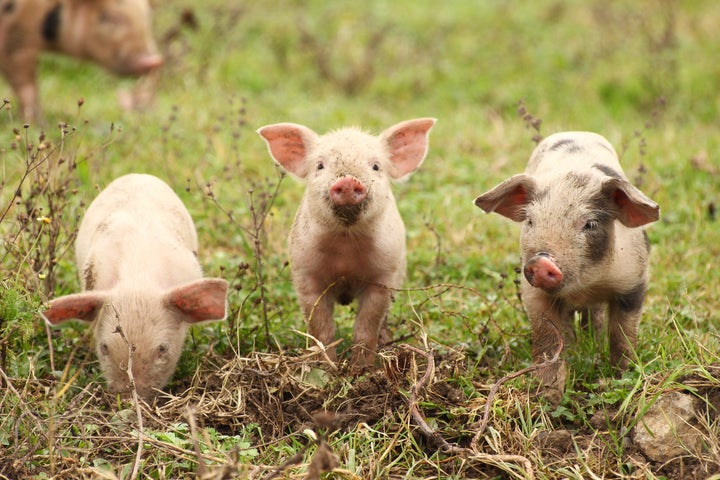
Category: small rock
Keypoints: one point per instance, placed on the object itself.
(559, 440)
(668, 429)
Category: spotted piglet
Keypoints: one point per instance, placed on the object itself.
(136, 251)
(583, 246)
(348, 239)
(113, 33)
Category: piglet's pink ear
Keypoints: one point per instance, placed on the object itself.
(289, 144)
(635, 209)
(201, 300)
(79, 306)
(509, 198)
(408, 144)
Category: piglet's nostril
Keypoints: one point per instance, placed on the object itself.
(541, 271)
(348, 191)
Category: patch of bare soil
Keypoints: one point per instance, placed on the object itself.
(285, 394)
(282, 393)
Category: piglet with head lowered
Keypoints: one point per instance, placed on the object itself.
(136, 252)
(583, 245)
(348, 239)
(113, 33)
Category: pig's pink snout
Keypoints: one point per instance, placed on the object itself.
(147, 63)
(542, 272)
(348, 191)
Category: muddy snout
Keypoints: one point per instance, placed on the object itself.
(348, 197)
(348, 191)
(541, 271)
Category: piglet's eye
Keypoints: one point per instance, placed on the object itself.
(104, 350)
(320, 166)
(162, 349)
(376, 167)
(590, 225)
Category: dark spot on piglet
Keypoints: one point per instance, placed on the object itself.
(345, 298)
(632, 301)
(51, 25)
(568, 145)
(610, 172)
(8, 7)
(89, 276)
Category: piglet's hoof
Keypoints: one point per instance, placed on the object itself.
(362, 360)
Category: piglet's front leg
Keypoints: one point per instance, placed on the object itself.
(551, 329)
(624, 314)
(373, 305)
(21, 70)
(318, 311)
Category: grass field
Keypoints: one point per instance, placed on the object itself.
(245, 399)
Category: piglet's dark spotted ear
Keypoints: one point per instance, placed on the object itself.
(635, 209)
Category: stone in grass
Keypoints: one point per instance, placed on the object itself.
(669, 429)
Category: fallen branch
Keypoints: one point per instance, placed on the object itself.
(444, 445)
(425, 429)
(496, 386)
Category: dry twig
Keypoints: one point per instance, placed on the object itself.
(499, 383)
(135, 399)
(426, 430)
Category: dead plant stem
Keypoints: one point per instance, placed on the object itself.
(135, 399)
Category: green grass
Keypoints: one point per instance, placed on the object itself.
(640, 73)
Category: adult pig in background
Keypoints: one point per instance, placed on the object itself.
(136, 252)
(348, 239)
(114, 33)
(582, 244)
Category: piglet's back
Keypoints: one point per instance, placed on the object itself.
(566, 152)
(139, 220)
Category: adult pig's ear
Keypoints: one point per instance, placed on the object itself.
(289, 144)
(79, 306)
(634, 208)
(407, 143)
(510, 197)
(201, 300)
